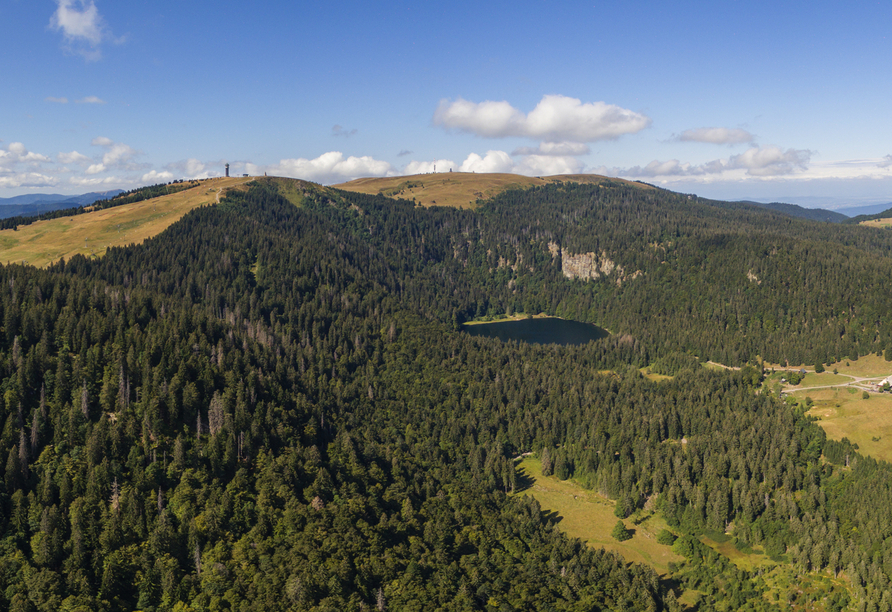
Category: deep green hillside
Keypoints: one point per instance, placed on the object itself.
(793, 210)
(268, 406)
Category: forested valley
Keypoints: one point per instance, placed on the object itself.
(271, 406)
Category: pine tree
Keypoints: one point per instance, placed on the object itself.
(546, 462)
(215, 414)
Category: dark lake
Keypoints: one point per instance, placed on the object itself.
(549, 330)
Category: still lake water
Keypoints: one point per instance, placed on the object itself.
(549, 330)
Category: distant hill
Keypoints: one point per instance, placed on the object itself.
(793, 210)
(469, 190)
(38, 203)
(874, 209)
(463, 189)
(886, 213)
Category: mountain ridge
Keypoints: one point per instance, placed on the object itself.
(36, 203)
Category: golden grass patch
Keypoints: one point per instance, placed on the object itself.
(589, 516)
(821, 380)
(653, 376)
(865, 422)
(878, 223)
(93, 233)
(744, 560)
(865, 366)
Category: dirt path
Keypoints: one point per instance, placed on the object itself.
(862, 383)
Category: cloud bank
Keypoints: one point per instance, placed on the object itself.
(20, 167)
(554, 148)
(555, 119)
(719, 136)
(755, 162)
(331, 167)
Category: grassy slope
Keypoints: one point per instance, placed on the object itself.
(92, 233)
(293, 190)
(843, 413)
(460, 189)
(586, 515)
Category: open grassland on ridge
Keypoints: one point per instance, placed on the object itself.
(461, 189)
(92, 233)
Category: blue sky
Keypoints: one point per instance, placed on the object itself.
(773, 101)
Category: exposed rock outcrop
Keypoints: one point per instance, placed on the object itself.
(589, 266)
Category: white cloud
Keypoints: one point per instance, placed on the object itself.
(62, 100)
(555, 148)
(82, 27)
(154, 177)
(426, 167)
(489, 119)
(500, 162)
(116, 153)
(16, 153)
(727, 136)
(555, 119)
(72, 158)
(755, 162)
(672, 167)
(194, 167)
(25, 179)
(771, 161)
(494, 161)
(331, 167)
(190, 168)
(90, 100)
(95, 168)
(93, 182)
(548, 165)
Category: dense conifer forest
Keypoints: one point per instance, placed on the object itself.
(271, 406)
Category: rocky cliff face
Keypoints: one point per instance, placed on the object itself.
(589, 266)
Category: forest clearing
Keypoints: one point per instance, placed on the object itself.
(589, 516)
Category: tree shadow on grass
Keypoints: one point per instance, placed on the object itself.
(552, 516)
(522, 480)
